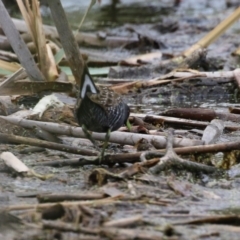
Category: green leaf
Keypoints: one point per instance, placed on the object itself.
(129, 126)
(4, 72)
(93, 71)
(99, 71)
(59, 56)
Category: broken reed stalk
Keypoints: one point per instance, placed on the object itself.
(41, 206)
(67, 39)
(85, 15)
(11, 78)
(9, 138)
(214, 34)
(9, 66)
(19, 46)
(134, 84)
(46, 198)
(117, 137)
(32, 17)
(124, 222)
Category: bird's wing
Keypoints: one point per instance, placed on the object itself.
(106, 98)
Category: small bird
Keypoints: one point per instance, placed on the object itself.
(99, 109)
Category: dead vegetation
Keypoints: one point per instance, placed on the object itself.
(173, 175)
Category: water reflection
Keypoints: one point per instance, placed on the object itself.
(113, 13)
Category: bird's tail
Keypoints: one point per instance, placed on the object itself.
(87, 84)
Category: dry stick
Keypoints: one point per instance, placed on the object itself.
(156, 81)
(171, 159)
(217, 219)
(8, 138)
(43, 198)
(178, 75)
(116, 137)
(12, 78)
(225, 228)
(181, 121)
(136, 84)
(19, 46)
(213, 148)
(67, 39)
(139, 167)
(202, 114)
(124, 222)
(19, 167)
(212, 75)
(118, 158)
(14, 163)
(170, 120)
(42, 206)
(162, 80)
(33, 20)
(85, 14)
(59, 163)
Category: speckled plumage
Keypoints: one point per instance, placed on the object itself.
(100, 109)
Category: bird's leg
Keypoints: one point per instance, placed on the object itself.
(106, 140)
(128, 125)
(88, 135)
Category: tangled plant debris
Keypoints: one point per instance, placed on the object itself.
(172, 173)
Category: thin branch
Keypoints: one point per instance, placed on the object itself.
(171, 159)
(9, 138)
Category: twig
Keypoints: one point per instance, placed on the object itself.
(67, 39)
(12, 78)
(134, 157)
(43, 198)
(225, 228)
(116, 137)
(124, 222)
(217, 219)
(40, 143)
(174, 120)
(171, 159)
(138, 168)
(41, 206)
(19, 167)
(58, 163)
(173, 76)
(85, 14)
